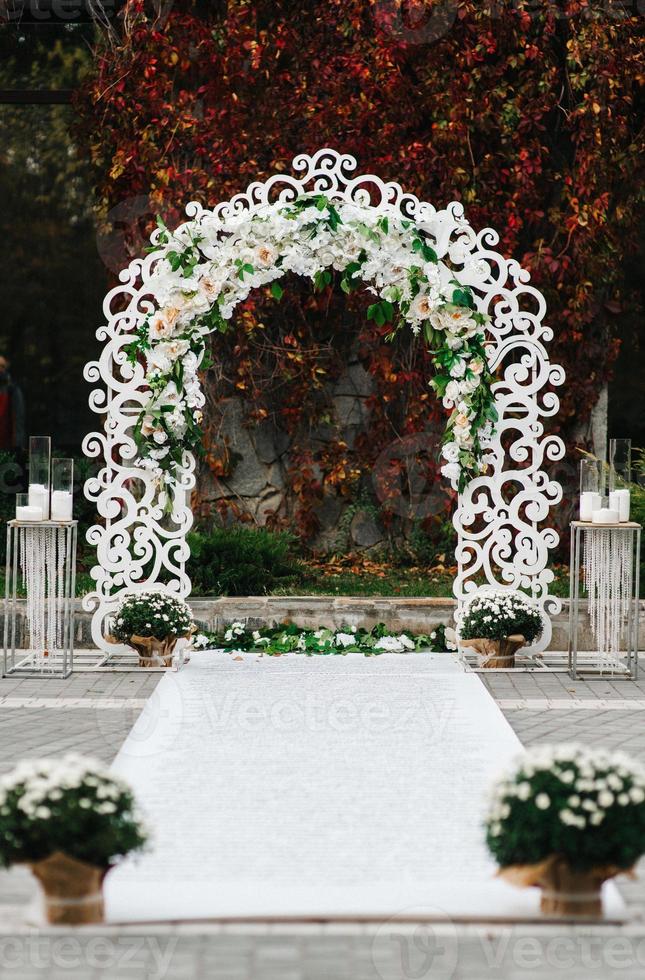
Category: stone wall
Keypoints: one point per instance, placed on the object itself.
(259, 454)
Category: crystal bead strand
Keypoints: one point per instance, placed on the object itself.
(60, 586)
(50, 567)
(32, 566)
(608, 580)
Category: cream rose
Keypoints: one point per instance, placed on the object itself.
(209, 288)
(266, 255)
(421, 307)
(172, 349)
(148, 426)
(476, 365)
(163, 323)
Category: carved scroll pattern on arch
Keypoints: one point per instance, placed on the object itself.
(499, 518)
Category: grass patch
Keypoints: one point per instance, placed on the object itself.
(352, 577)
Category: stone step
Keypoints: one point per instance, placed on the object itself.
(416, 615)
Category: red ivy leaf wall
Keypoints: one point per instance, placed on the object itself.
(527, 112)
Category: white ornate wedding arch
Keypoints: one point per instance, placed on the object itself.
(500, 516)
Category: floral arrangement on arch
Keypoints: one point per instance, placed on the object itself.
(210, 265)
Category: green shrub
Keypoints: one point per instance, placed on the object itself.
(241, 560)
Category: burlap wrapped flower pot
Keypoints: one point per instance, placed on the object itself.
(496, 653)
(152, 623)
(565, 891)
(153, 652)
(73, 890)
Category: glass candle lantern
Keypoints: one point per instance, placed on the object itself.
(591, 476)
(24, 512)
(591, 488)
(620, 463)
(62, 499)
(39, 473)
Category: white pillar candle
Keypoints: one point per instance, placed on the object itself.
(619, 500)
(62, 505)
(589, 502)
(29, 514)
(605, 516)
(39, 497)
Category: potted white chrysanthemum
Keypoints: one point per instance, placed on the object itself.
(71, 821)
(566, 818)
(496, 624)
(151, 623)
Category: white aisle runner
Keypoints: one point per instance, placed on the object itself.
(315, 787)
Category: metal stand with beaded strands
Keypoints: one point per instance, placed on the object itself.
(41, 563)
(610, 556)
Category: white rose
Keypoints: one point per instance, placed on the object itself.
(454, 320)
(458, 369)
(452, 391)
(451, 471)
(169, 395)
(344, 639)
(450, 452)
(406, 642)
(156, 360)
(389, 644)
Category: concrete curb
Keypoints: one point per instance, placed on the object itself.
(417, 615)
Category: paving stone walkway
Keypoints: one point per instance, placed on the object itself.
(92, 712)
